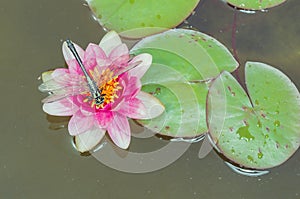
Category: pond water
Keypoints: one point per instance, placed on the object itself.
(37, 159)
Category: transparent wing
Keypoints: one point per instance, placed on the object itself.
(117, 69)
(62, 82)
(63, 86)
(120, 70)
(58, 95)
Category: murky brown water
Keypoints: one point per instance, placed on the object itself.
(39, 162)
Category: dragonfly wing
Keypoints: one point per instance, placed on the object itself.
(117, 70)
(64, 82)
(62, 93)
(63, 86)
(127, 68)
(56, 97)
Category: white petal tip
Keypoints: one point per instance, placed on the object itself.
(124, 144)
(88, 140)
(46, 76)
(153, 106)
(110, 41)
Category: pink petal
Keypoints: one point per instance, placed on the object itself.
(89, 139)
(104, 118)
(70, 59)
(151, 107)
(119, 54)
(131, 85)
(92, 53)
(68, 54)
(132, 108)
(102, 64)
(110, 41)
(94, 50)
(63, 107)
(119, 131)
(80, 123)
(141, 69)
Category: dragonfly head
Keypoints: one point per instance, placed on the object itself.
(98, 97)
(99, 100)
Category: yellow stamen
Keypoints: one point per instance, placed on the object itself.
(109, 86)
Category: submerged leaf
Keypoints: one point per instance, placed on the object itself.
(260, 132)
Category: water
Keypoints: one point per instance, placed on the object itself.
(37, 160)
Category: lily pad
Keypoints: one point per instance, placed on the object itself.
(139, 18)
(183, 62)
(255, 4)
(262, 130)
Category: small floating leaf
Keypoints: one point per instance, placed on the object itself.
(183, 60)
(264, 130)
(139, 18)
(255, 4)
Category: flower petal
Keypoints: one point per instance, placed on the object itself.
(92, 53)
(69, 57)
(60, 72)
(120, 54)
(89, 139)
(63, 107)
(68, 54)
(141, 69)
(119, 131)
(131, 86)
(151, 108)
(132, 108)
(80, 123)
(110, 41)
(104, 117)
(46, 75)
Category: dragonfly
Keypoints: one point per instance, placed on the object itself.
(66, 85)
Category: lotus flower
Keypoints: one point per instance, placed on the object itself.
(117, 77)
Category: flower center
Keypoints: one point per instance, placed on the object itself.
(108, 85)
(109, 92)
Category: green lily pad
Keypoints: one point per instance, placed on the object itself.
(260, 132)
(139, 18)
(255, 4)
(183, 62)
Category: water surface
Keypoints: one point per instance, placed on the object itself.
(37, 161)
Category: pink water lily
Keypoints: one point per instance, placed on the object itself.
(121, 92)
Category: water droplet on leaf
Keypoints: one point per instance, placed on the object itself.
(266, 136)
(258, 124)
(232, 151)
(260, 155)
(244, 133)
(277, 123)
(250, 158)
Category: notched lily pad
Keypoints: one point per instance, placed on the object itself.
(260, 132)
(139, 18)
(255, 4)
(183, 62)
